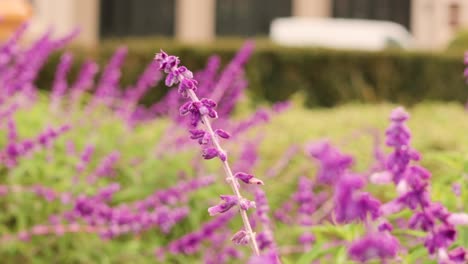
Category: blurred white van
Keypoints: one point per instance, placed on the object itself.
(340, 33)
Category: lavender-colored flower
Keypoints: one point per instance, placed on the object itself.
(457, 219)
(60, 83)
(332, 163)
(248, 178)
(440, 238)
(228, 201)
(190, 243)
(245, 204)
(105, 168)
(456, 188)
(12, 132)
(399, 137)
(352, 204)
(84, 80)
(458, 255)
(267, 258)
(241, 238)
(265, 238)
(374, 245)
(385, 226)
(108, 86)
(201, 111)
(85, 158)
(306, 239)
(305, 199)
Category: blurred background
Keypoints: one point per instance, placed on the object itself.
(355, 47)
(431, 23)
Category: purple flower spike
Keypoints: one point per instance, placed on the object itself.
(200, 134)
(376, 245)
(422, 221)
(385, 226)
(248, 178)
(240, 238)
(442, 238)
(458, 255)
(399, 137)
(456, 189)
(228, 202)
(222, 133)
(458, 219)
(267, 258)
(399, 115)
(307, 238)
(246, 204)
(332, 163)
(210, 153)
(201, 111)
(351, 204)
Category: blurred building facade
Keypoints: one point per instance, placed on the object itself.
(432, 22)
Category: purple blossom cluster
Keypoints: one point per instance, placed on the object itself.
(201, 111)
(413, 188)
(16, 149)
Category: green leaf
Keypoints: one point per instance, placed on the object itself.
(317, 251)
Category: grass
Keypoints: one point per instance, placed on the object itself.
(439, 133)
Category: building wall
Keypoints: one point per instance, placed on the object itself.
(431, 21)
(195, 20)
(65, 16)
(308, 8)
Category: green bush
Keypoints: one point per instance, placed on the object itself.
(326, 77)
(459, 43)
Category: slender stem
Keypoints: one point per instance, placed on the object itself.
(323, 211)
(232, 181)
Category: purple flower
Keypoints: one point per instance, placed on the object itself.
(350, 203)
(266, 258)
(456, 188)
(332, 163)
(241, 238)
(374, 245)
(201, 135)
(385, 226)
(399, 137)
(222, 133)
(415, 197)
(458, 219)
(245, 204)
(440, 238)
(421, 220)
(60, 83)
(228, 202)
(248, 178)
(307, 239)
(199, 111)
(305, 198)
(210, 153)
(458, 255)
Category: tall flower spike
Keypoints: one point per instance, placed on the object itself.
(201, 111)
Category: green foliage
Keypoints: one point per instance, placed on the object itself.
(326, 77)
(459, 43)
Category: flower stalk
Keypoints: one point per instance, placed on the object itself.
(201, 110)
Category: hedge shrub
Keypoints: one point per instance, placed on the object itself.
(326, 77)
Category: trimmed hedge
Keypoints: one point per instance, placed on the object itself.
(326, 77)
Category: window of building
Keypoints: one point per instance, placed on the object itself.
(454, 15)
(120, 18)
(249, 17)
(398, 11)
